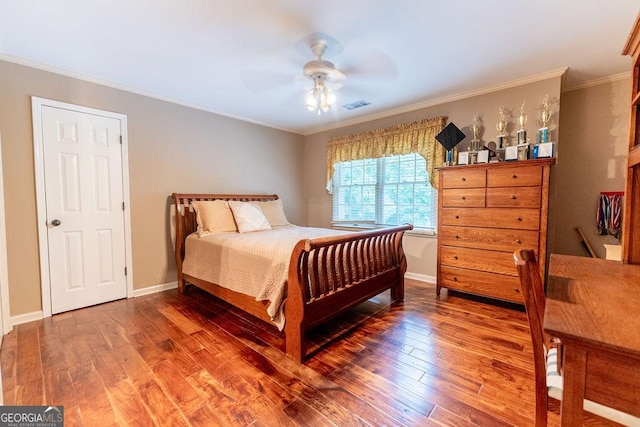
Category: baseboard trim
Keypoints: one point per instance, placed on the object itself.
(38, 315)
(153, 289)
(420, 277)
(26, 318)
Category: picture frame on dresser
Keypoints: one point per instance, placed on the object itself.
(485, 213)
(463, 157)
(511, 153)
(483, 156)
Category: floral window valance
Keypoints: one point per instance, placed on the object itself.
(418, 137)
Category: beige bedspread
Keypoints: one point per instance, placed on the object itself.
(255, 264)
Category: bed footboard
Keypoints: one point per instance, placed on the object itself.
(328, 276)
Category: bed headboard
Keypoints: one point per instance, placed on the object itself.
(186, 219)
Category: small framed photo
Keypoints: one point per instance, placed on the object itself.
(511, 152)
(483, 156)
(463, 158)
(545, 149)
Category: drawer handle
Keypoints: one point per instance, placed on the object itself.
(518, 241)
(513, 197)
(516, 290)
(514, 176)
(457, 216)
(463, 198)
(455, 279)
(455, 257)
(463, 178)
(457, 237)
(519, 218)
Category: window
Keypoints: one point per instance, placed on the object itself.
(386, 191)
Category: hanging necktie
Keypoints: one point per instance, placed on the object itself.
(615, 214)
(601, 216)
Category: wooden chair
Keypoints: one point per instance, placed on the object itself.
(547, 351)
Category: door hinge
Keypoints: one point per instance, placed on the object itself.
(125, 271)
(122, 205)
(120, 139)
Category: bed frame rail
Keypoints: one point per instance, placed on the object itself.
(330, 275)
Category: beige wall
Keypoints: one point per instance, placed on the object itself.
(422, 251)
(171, 148)
(175, 148)
(595, 140)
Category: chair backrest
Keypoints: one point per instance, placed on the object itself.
(532, 291)
(534, 303)
(528, 268)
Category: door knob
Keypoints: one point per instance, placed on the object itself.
(56, 222)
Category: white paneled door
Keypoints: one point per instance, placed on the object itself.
(85, 218)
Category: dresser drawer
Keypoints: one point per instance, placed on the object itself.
(514, 197)
(478, 259)
(515, 176)
(527, 219)
(481, 283)
(488, 238)
(463, 178)
(463, 197)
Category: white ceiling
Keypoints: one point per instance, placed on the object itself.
(244, 58)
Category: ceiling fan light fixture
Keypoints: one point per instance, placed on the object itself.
(311, 100)
(329, 96)
(320, 71)
(320, 97)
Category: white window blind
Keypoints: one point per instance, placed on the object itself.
(385, 191)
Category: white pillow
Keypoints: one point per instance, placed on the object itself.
(213, 216)
(249, 217)
(274, 212)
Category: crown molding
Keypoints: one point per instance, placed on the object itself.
(561, 72)
(443, 100)
(66, 73)
(596, 82)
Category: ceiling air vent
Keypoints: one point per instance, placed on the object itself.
(357, 104)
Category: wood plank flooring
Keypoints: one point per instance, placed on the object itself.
(172, 359)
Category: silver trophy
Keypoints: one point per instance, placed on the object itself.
(501, 126)
(522, 120)
(476, 128)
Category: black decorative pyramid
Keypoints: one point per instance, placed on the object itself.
(450, 136)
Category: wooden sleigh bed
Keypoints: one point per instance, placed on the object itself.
(326, 276)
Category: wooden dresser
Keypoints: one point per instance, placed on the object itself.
(485, 213)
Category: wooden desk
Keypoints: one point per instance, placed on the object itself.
(593, 306)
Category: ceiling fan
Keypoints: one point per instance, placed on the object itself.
(326, 78)
(365, 67)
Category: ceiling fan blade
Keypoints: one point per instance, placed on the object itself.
(261, 81)
(372, 65)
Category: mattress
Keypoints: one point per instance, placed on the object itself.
(254, 264)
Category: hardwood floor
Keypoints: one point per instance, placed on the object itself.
(171, 359)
